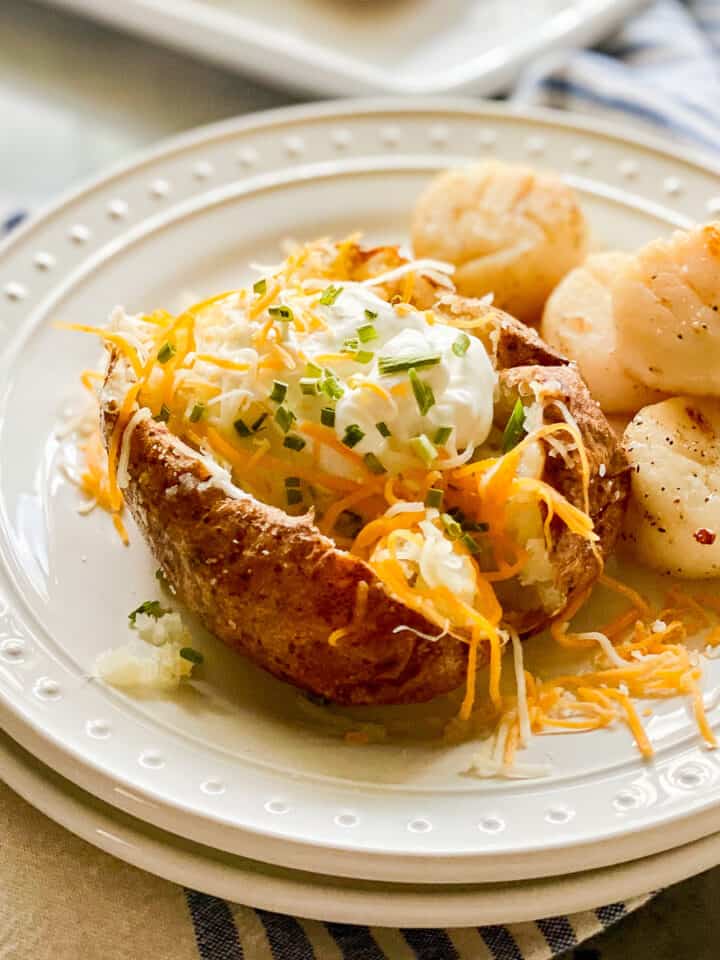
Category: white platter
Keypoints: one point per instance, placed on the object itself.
(342, 48)
(234, 762)
(333, 899)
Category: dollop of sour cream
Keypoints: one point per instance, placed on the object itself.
(462, 386)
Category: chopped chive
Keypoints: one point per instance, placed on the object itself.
(241, 428)
(197, 412)
(472, 545)
(281, 312)
(164, 414)
(434, 498)
(515, 428)
(292, 481)
(442, 435)
(366, 333)
(330, 295)
(191, 654)
(424, 396)
(370, 315)
(166, 351)
(294, 442)
(363, 356)
(383, 429)
(387, 365)
(351, 344)
(473, 527)
(373, 464)
(331, 386)
(461, 344)
(327, 417)
(312, 370)
(260, 286)
(284, 418)
(349, 524)
(424, 449)
(259, 422)
(151, 608)
(452, 527)
(293, 496)
(353, 435)
(309, 386)
(279, 391)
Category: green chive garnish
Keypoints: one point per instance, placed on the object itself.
(151, 608)
(279, 391)
(442, 435)
(349, 524)
(383, 429)
(292, 481)
(473, 527)
(515, 429)
(373, 464)
(423, 448)
(366, 333)
(424, 395)
(434, 498)
(312, 370)
(472, 545)
(330, 295)
(363, 356)
(241, 428)
(164, 414)
(387, 365)
(281, 312)
(327, 417)
(461, 344)
(166, 351)
(294, 442)
(370, 315)
(353, 435)
(260, 286)
(197, 412)
(191, 654)
(351, 344)
(309, 386)
(331, 386)
(452, 527)
(293, 496)
(259, 422)
(284, 418)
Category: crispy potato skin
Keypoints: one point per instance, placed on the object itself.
(273, 587)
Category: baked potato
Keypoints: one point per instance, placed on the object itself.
(299, 596)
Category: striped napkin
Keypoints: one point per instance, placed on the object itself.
(661, 70)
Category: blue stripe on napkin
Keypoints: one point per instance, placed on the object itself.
(215, 931)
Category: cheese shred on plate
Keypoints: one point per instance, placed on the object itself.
(334, 382)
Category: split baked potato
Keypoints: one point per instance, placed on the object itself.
(308, 604)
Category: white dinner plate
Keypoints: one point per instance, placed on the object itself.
(236, 761)
(344, 48)
(332, 899)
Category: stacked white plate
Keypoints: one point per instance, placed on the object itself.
(236, 777)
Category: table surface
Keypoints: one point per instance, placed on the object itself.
(76, 97)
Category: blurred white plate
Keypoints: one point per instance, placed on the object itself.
(351, 47)
(235, 761)
(334, 899)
